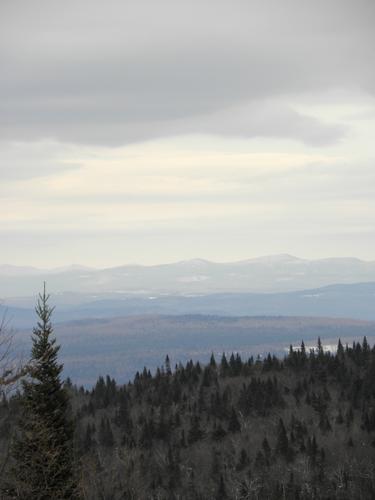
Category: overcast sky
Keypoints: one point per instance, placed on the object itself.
(154, 131)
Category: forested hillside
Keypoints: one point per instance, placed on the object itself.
(298, 428)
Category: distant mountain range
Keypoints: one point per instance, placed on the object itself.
(279, 273)
(116, 320)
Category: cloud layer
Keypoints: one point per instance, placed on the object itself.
(118, 72)
(154, 131)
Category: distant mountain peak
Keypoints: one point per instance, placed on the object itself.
(275, 259)
(195, 262)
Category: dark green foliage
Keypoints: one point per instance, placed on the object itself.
(43, 450)
(105, 433)
(266, 449)
(218, 432)
(234, 425)
(221, 492)
(282, 442)
(298, 428)
(88, 441)
(195, 431)
(259, 396)
(243, 460)
(212, 361)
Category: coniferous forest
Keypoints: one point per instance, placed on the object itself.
(298, 428)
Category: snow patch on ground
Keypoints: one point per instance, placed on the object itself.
(193, 279)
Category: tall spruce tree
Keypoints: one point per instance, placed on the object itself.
(43, 450)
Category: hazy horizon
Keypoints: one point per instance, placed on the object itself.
(67, 265)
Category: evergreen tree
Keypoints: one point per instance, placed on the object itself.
(340, 351)
(266, 448)
(212, 361)
(43, 449)
(221, 492)
(320, 348)
(168, 369)
(88, 441)
(105, 433)
(234, 425)
(195, 431)
(282, 443)
(224, 366)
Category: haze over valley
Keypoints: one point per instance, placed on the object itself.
(120, 319)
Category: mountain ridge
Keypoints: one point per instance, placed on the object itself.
(195, 260)
(278, 273)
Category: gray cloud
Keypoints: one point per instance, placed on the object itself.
(118, 72)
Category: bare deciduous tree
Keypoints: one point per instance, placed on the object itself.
(11, 366)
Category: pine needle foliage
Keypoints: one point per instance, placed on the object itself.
(43, 449)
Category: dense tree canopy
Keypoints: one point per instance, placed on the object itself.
(302, 427)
